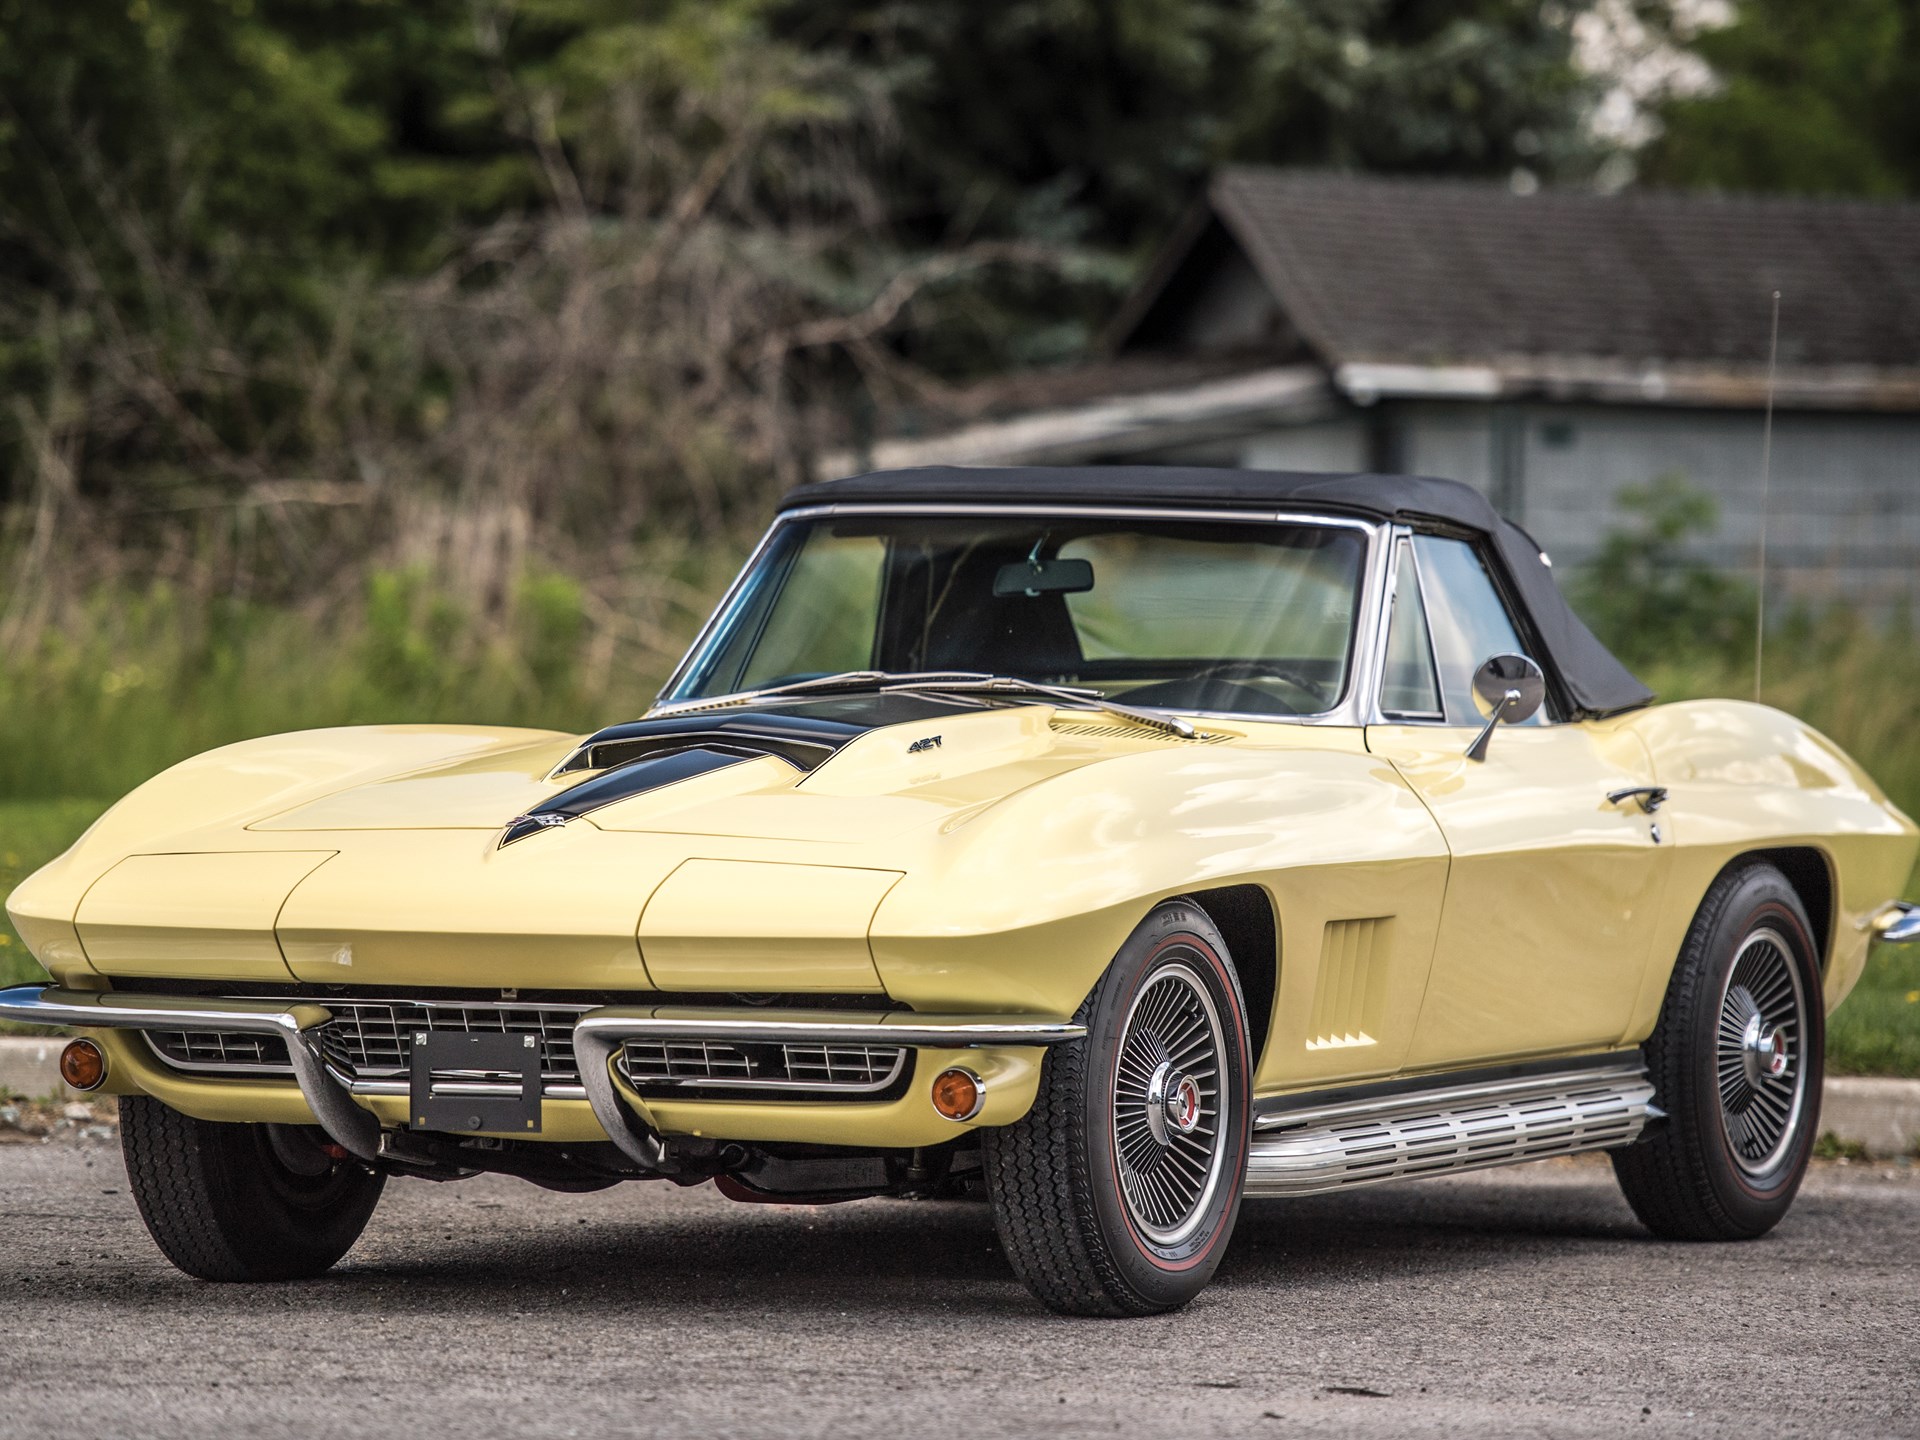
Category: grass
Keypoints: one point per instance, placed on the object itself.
(1831, 1147)
(1876, 1030)
(123, 683)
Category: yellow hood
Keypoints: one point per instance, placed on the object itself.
(375, 857)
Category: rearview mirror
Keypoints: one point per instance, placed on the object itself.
(1044, 577)
(1506, 689)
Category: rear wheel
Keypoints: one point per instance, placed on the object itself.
(1117, 1192)
(243, 1202)
(1736, 1061)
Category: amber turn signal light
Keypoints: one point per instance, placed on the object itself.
(958, 1094)
(82, 1065)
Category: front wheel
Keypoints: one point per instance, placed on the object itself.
(1736, 1061)
(1117, 1192)
(243, 1202)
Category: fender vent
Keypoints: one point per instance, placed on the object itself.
(1351, 986)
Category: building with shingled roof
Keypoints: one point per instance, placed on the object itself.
(1548, 349)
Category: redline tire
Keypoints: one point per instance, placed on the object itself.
(1737, 1060)
(242, 1202)
(1118, 1192)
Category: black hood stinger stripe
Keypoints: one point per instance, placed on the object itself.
(634, 778)
(643, 755)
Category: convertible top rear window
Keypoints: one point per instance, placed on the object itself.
(1252, 618)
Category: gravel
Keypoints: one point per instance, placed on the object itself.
(1519, 1302)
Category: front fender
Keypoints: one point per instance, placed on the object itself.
(1019, 908)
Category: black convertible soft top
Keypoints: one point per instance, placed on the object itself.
(1595, 682)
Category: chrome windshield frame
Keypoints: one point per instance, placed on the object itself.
(1356, 700)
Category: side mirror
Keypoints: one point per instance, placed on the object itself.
(1506, 689)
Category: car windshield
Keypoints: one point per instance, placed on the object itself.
(1234, 617)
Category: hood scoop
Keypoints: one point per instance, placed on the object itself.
(648, 771)
(803, 741)
(644, 755)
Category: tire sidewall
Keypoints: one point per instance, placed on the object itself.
(1177, 933)
(1761, 900)
(222, 1205)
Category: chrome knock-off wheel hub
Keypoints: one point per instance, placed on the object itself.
(1167, 1120)
(1759, 1066)
(1763, 1048)
(1173, 1103)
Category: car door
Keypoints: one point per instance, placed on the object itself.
(1552, 889)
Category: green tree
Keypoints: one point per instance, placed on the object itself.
(1812, 99)
(1647, 598)
(1096, 122)
(271, 246)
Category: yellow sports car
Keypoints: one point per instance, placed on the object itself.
(1112, 843)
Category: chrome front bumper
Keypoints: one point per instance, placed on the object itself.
(298, 1025)
(600, 1034)
(1897, 923)
(597, 1038)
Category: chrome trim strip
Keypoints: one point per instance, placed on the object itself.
(1371, 709)
(937, 1032)
(457, 1087)
(1448, 1129)
(1103, 512)
(721, 612)
(349, 1126)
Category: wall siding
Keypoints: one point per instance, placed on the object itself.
(1844, 502)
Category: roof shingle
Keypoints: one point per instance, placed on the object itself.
(1436, 272)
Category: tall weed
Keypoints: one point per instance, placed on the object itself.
(131, 680)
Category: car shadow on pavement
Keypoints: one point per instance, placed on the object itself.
(670, 1252)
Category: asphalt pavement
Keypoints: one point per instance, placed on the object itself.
(1519, 1302)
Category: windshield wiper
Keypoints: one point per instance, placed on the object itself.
(950, 682)
(842, 680)
(971, 683)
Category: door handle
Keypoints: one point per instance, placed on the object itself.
(1651, 797)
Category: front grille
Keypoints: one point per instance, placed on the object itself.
(728, 1066)
(372, 1040)
(217, 1053)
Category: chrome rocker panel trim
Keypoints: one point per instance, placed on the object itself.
(354, 1129)
(1449, 1128)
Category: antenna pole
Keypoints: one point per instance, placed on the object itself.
(1766, 480)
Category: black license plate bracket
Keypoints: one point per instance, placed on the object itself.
(463, 1082)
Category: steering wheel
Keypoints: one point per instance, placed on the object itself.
(1262, 670)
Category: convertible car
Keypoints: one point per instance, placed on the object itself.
(1113, 844)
